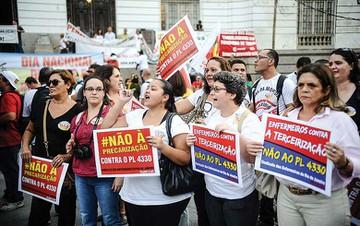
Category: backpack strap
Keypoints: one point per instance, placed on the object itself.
(279, 87)
(240, 119)
(253, 89)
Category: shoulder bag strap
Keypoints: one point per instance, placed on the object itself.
(203, 101)
(46, 143)
(169, 118)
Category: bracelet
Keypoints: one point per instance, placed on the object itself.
(344, 166)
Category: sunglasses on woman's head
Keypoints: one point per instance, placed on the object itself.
(55, 82)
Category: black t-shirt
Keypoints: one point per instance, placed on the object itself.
(58, 130)
(354, 102)
(41, 95)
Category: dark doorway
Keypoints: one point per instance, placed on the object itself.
(8, 13)
(91, 14)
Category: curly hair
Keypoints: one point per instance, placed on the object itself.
(233, 84)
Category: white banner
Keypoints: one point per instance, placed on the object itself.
(127, 56)
(61, 61)
(8, 34)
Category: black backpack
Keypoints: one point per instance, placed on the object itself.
(279, 87)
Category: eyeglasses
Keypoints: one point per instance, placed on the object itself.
(217, 89)
(262, 57)
(55, 82)
(91, 89)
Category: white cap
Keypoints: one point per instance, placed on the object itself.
(11, 77)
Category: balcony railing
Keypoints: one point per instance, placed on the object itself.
(315, 41)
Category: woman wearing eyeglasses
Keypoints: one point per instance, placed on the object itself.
(228, 204)
(59, 111)
(214, 65)
(89, 188)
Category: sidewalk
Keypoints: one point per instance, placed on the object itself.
(20, 216)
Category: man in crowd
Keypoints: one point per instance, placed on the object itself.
(142, 62)
(32, 85)
(147, 77)
(109, 35)
(10, 113)
(300, 63)
(272, 93)
(63, 44)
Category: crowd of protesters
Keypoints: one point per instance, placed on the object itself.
(61, 110)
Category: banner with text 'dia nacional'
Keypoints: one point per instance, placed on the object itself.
(125, 152)
(295, 151)
(58, 61)
(38, 178)
(177, 47)
(216, 154)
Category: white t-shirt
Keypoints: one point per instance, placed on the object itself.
(109, 36)
(29, 95)
(143, 62)
(293, 77)
(265, 96)
(147, 190)
(251, 129)
(195, 100)
(62, 44)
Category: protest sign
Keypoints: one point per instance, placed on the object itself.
(295, 151)
(38, 178)
(125, 152)
(237, 44)
(133, 104)
(216, 154)
(177, 46)
(8, 34)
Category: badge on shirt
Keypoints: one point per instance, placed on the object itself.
(351, 111)
(64, 125)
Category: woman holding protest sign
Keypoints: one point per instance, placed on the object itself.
(196, 108)
(89, 187)
(50, 124)
(145, 202)
(316, 101)
(228, 203)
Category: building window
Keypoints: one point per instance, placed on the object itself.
(316, 23)
(173, 10)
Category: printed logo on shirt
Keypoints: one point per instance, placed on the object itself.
(64, 125)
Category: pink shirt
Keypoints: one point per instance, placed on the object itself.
(344, 133)
(85, 168)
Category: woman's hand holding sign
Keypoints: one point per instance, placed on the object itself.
(190, 139)
(337, 155)
(156, 141)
